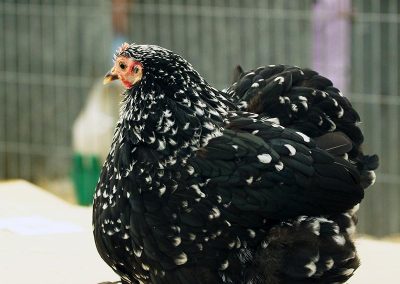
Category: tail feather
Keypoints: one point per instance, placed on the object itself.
(308, 102)
(366, 165)
(305, 250)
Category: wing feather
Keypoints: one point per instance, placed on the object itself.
(277, 172)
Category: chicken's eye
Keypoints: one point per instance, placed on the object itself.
(136, 69)
(122, 65)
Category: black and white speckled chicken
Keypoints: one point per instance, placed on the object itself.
(197, 190)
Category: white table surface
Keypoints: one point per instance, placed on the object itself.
(46, 240)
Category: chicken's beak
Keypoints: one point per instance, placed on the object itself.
(110, 76)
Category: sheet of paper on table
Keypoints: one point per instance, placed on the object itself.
(37, 225)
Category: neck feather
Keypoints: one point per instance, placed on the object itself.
(160, 129)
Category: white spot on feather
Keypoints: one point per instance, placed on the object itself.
(353, 210)
(190, 170)
(214, 213)
(279, 166)
(209, 125)
(372, 176)
(251, 233)
(176, 241)
(249, 180)
(161, 190)
(184, 203)
(137, 252)
(292, 150)
(167, 113)
(148, 179)
(224, 265)
(172, 141)
(264, 158)
(305, 137)
(242, 105)
(152, 139)
(347, 272)
(315, 227)
(305, 105)
(274, 120)
(280, 80)
(197, 190)
(181, 259)
(329, 263)
(340, 113)
(335, 227)
(161, 145)
(199, 111)
(339, 239)
(312, 268)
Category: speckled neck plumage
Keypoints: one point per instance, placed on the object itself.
(161, 125)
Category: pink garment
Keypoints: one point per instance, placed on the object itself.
(331, 41)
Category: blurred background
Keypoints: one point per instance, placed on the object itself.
(56, 118)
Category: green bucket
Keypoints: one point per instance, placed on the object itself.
(85, 174)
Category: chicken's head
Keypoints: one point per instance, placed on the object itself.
(128, 70)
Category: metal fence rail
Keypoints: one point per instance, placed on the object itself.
(375, 85)
(49, 56)
(51, 52)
